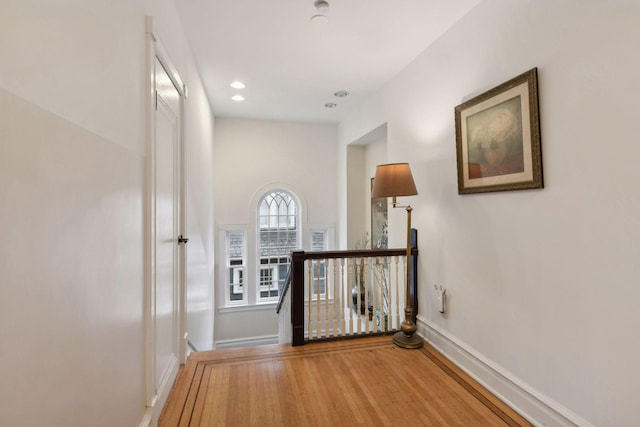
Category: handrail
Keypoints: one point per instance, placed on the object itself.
(285, 288)
(353, 253)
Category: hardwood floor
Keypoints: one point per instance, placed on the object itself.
(366, 381)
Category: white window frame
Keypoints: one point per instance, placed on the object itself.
(224, 232)
(257, 258)
(328, 243)
(251, 254)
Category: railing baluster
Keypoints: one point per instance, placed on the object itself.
(336, 298)
(329, 292)
(318, 301)
(385, 295)
(397, 316)
(343, 300)
(365, 292)
(377, 313)
(375, 291)
(359, 297)
(327, 330)
(375, 296)
(381, 288)
(349, 294)
(309, 279)
(360, 276)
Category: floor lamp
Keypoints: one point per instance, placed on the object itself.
(395, 180)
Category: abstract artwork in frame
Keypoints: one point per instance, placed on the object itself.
(498, 138)
(379, 222)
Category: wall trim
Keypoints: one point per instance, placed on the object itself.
(154, 409)
(247, 307)
(146, 419)
(247, 342)
(530, 403)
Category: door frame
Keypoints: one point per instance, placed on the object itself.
(155, 398)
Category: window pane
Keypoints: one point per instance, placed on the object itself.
(235, 265)
(319, 277)
(318, 240)
(319, 243)
(278, 236)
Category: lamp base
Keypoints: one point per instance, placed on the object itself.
(406, 336)
(407, 341)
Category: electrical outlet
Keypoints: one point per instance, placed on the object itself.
(441, 295)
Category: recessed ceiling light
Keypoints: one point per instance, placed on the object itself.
(330, 105)
(237, 85)
(319, 19)
(341, 93)
(238, 98)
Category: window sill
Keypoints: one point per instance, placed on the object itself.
(253, 307)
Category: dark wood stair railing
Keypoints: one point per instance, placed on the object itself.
(295, 282)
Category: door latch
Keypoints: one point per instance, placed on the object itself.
(182, 240)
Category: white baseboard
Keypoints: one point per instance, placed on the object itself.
(146, 419)
(536, 407)
(247, 342)
(153, 411)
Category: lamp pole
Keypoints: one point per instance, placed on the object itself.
(406, 337)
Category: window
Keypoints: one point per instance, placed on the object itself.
(254, 259)
(235, 256)
(319, 243)
(277, 237)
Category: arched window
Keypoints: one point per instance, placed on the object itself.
(278, 234)
(256, 255)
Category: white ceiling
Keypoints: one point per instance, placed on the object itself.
(293, 67)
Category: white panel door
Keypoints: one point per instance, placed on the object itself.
(166, 201)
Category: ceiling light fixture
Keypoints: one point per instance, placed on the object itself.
(330, 105)
(341, 93)
(238, 98)
(321, 6)
(237, 85)
(319, 19)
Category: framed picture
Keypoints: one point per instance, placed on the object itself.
(379, 222)
(498, 138)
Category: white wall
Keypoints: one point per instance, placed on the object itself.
(542, 283)
(357, 192)
(72, 195)
(375, 154)
(362, 158)
(251, 155)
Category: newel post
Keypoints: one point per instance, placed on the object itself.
(297, 298)
(413, 294)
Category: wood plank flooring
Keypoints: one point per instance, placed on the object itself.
(366, 381)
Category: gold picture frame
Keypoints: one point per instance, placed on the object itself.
(498, 138)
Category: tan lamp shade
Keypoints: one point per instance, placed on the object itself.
(393, 179)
